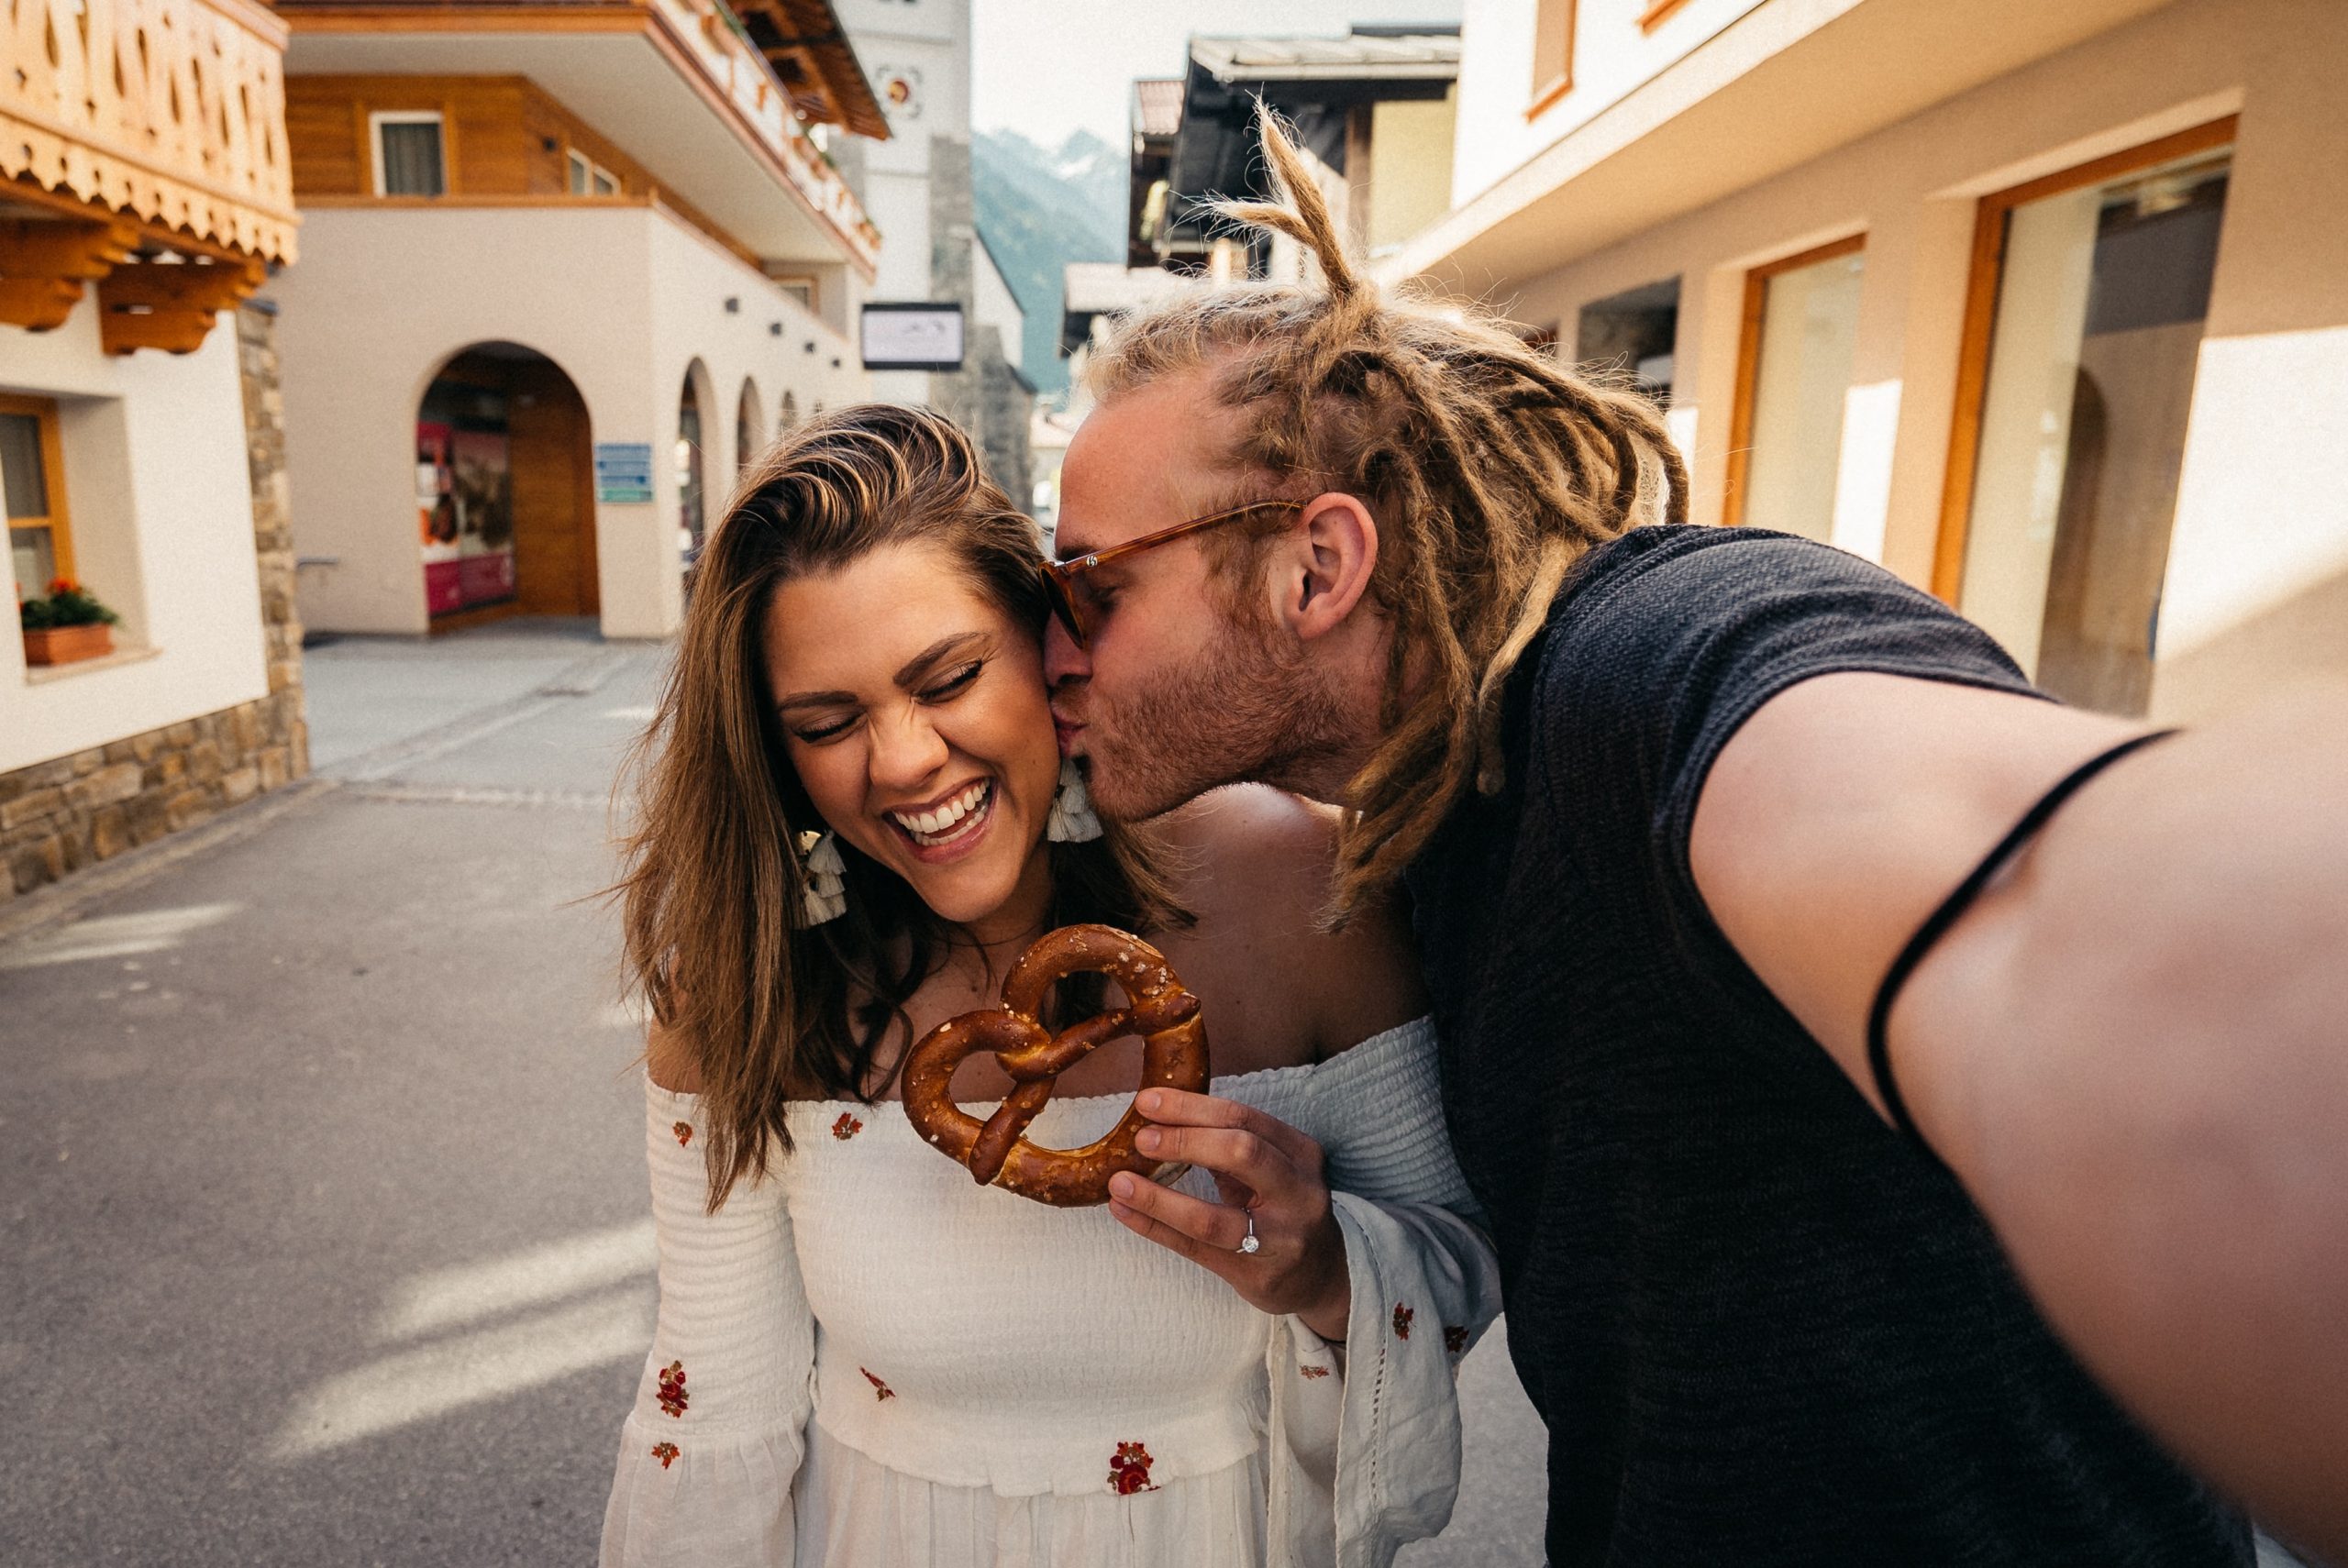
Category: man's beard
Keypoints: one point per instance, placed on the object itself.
(1247, 711)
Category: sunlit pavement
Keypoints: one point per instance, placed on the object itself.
(326, 1232)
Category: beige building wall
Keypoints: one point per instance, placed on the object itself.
(1410, 169)
(161, 509)
(2257, 581)
(623, 299)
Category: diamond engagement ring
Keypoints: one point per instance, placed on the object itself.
(1250, 1244)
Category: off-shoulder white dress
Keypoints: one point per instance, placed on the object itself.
(868, 1359)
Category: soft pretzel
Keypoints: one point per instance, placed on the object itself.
(997, 1151)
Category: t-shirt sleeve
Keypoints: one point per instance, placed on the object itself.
(1668, 639)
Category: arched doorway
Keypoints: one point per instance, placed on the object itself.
(749, 434)
(692, 486)
(790, 412)
(504, 489)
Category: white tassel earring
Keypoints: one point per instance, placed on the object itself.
(1072, 821)
(826, 875)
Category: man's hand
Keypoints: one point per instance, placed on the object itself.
(2132, 1051)
(1265, 1170)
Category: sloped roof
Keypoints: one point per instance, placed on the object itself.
(1429, 56)
(811, 56)
(1157, 106)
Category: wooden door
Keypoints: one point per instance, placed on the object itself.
(554, 500)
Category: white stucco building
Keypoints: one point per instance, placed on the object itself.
(2044, 306)
(567, 271)
(144, 196)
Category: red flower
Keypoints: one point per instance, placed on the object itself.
(880, 1389)
(672, 1388)
(847, 1127)
(1312, 1371)
(1403, 1316)
(684, 1131)
(58, 585)
(1454, 1338)
(666, 1452)
(1129, 1469)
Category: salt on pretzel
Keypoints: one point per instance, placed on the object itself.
(1157, 1009)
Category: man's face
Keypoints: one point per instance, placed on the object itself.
(1189, 683)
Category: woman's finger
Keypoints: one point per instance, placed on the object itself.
(1171, 1107)
(1226, 1152)
(1207, 1233)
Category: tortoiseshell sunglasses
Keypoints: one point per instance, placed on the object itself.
(1064, 581)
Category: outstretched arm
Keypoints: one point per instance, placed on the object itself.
(2132, 1051)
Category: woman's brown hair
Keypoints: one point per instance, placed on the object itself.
(766, 1010)
(1490, 468)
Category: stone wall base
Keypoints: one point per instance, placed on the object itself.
(59, 816)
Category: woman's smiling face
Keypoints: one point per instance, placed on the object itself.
(914, 710)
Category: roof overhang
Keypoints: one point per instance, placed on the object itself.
(811, 55)
(1782, 85)
(723, 138)
(1316, 83)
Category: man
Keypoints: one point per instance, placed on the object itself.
(1774, 1131)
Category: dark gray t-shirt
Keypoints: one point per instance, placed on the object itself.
(1762, 1329)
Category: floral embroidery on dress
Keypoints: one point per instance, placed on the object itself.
(1311, 1371)
(1455, 1337)
(847, 1127)
(880, 1389)
(1403, 1316)
(672, 1388)
(666, 1452)
(684, 1131)
(1129, 1469)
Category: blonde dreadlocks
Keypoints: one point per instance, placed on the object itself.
(1492, 470)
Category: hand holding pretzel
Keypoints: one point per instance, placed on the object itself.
(997, 1151)
(1270, 1178)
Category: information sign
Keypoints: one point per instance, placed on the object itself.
(624, 472)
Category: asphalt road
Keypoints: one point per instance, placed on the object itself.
(325, 1236)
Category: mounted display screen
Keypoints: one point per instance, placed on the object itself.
(909, 335)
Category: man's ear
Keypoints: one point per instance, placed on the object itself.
(1328, 565)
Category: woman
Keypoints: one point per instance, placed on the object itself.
(855, 816)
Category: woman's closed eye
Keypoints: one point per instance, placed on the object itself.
(826, 729)
(957, 681)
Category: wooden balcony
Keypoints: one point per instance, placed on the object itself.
(142, 145)
(636, 69)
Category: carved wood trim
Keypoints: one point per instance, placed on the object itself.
(45, 262)
(169, 305)
(172, 110)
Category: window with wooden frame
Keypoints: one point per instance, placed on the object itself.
(799, 286)
(2082, 335)
(589, 178)
(410, 152)
(1553, 53)
(32, 476)
(1793, 375)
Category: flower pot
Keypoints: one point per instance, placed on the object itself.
(63, 645)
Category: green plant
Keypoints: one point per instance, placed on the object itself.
(68, 604)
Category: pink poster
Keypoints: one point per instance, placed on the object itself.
(464, 498)
(436, 507)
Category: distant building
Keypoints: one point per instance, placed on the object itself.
(1092, 295)
(1157, 116)
(917, 186)
(144, 196)
(2046, 308)
(568, 269)
(1373, 114)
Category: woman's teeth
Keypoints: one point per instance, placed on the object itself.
(944, 823)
